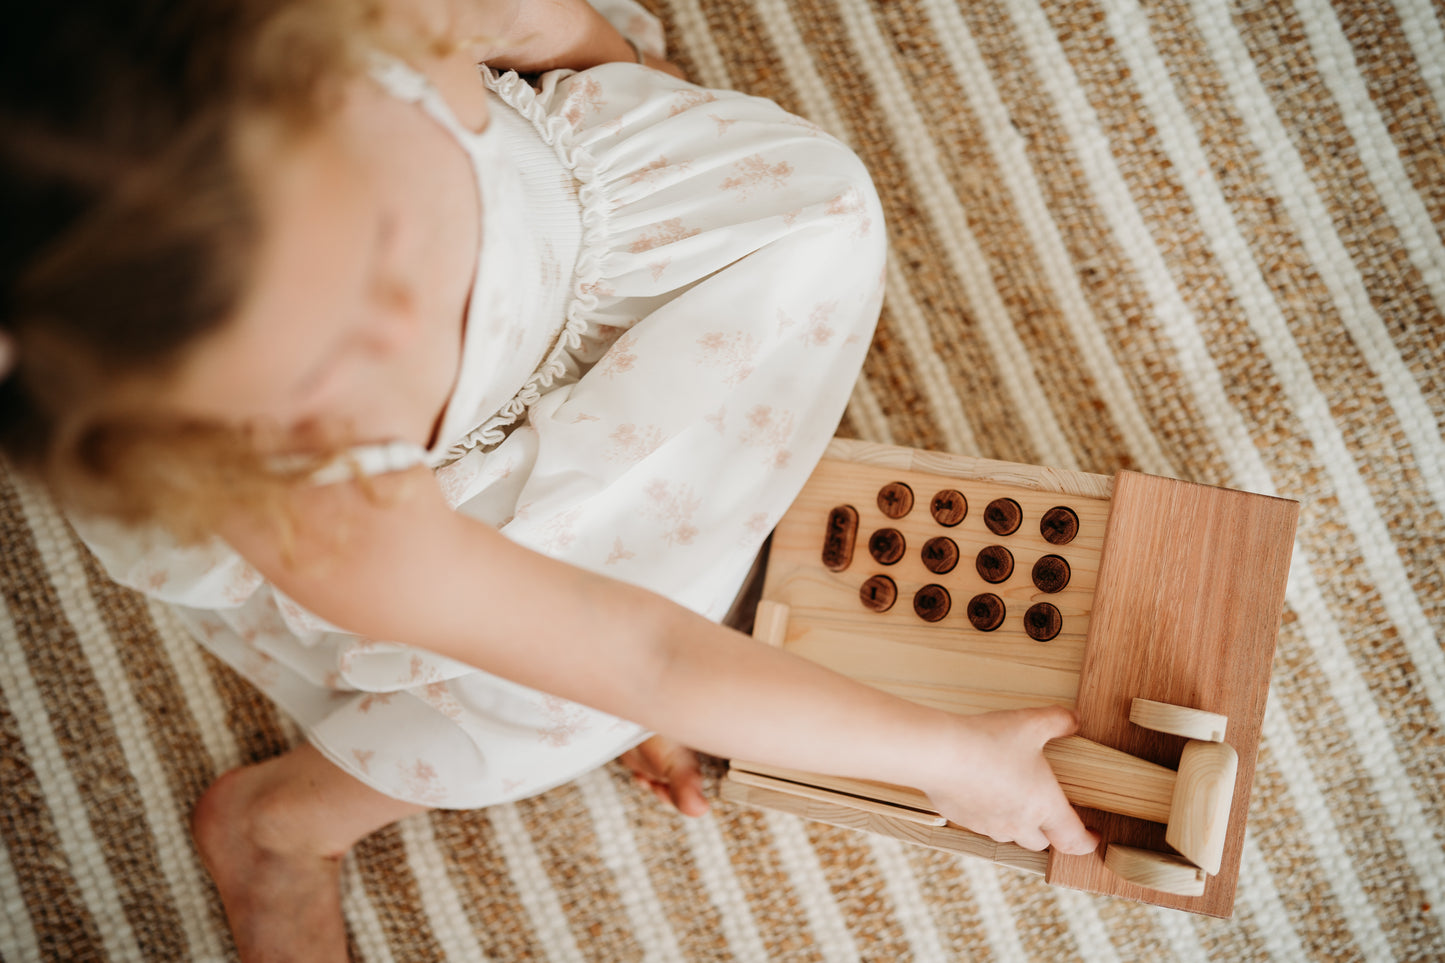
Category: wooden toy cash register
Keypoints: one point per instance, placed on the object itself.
(1148, 605)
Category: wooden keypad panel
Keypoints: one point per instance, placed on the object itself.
(967, 594)
(971, 585)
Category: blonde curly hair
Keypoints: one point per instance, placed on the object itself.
(132, 232)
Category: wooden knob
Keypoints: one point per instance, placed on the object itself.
(1199, 812)
(1152, 870)
(1178, 721)
(1003, 516)
(895, 499)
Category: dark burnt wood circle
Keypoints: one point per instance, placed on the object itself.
(986, 612)
(1059, 525)
(940, 555)
(1003, 516)
(887, 546)
(995, 564)
(878, 593)
(932, 602)
(949, 507)
(1051, 573)
(840, 537)
(895, 499)
(1043, 622)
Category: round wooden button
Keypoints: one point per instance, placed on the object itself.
(940, 555)
(995, 564)
(932, 602)
(949, 507)
(1059, 525)
(1003, 516)
(895, 499)
(887, 545)
(1042, 622)
(1051, 573)
(986, 612)
(878, 593)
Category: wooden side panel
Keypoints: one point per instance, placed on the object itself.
(1186, 611)
(953, 839)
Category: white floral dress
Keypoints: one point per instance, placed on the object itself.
(675, 290)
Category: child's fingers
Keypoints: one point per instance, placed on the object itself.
(1068, 834)
(687, 795)
(1054, 722)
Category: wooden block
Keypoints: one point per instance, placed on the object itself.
(820, 794)
(1164, 872)
(1186, 611)
(1178, 720)
(1199, 813)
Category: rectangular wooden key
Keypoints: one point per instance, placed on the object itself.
(975, 585)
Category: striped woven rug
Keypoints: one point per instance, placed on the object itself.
(1200, 239)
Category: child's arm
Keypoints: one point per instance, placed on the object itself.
(525, 35)
(565, 33)
(407, 568)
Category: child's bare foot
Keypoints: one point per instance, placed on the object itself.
(283, 903)
(272, 837)
(671, 771)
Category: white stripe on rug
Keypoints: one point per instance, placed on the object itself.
(1257, 889)
(1376, 148)
(1427, 43)
(1180, 933)
(960, 248)
(1315, 229)
(186, 880)
(1080, 911)
(617, 847)
(866, 413)
(710, 853)
(1000, 925)
(799, 859)
(690, 23)
(85, 860)
(910, 325)
(1007, 147)
(534, 888)
(450, 925)
(910, 907)
(197, 685)
(17, 932)
(367, 933)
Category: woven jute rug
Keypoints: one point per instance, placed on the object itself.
(1199, 239)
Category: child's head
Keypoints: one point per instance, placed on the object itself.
(152, 156)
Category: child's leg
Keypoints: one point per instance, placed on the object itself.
(272, 837)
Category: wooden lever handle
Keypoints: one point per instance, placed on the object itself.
(1099, 777)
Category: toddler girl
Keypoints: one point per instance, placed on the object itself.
(450, 405)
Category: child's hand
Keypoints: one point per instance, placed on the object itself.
(671, 771)
(1003, 787)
